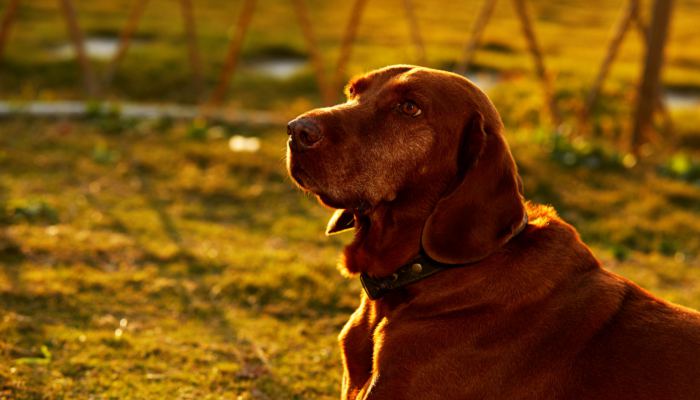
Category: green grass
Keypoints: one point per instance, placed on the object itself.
(172, 267)
(219, 268)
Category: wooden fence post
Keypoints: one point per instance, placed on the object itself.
(643, 31)
(124, 38)
(7, 19)
(193, 47)
(629, 15)
(415, 31)
(319, 70)
(649, 86)
(79, 46)
(529, 33)
(346, 44)
(475, 37)
(234, 49)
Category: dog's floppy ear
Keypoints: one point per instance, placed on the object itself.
(341, 221)
(485, 206)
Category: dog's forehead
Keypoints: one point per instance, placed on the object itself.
(428, 79)
(376, 78)
(380, 80)
(405, 74)
(434, 76)
(434, 85)
(390, 72)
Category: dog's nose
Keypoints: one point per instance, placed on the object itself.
(304, 133)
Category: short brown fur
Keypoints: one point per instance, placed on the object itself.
(532, 316)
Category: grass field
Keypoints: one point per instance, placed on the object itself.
(146, 259)
(154, 262)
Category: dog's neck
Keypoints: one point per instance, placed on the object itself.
(389, 235)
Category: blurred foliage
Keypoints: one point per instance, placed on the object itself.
(573, 36)
(682, 166)
(586, 153)
(103, 155)
(31, 211)
(197, 130)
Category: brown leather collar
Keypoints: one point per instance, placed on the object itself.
(419, 268)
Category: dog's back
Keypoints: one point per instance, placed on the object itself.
(649, 349)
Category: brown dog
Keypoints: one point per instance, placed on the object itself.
(471, 293)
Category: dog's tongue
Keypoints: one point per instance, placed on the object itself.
(342, 220)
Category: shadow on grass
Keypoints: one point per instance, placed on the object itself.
(158, 206)
(11, 257)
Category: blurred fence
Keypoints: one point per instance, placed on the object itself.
(649, 101)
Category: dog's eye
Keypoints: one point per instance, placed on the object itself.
(410, 108)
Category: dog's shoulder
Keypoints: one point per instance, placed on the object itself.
(649, 322)
(647, 349)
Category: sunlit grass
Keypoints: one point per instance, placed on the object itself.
(182, 269)
(216, 263)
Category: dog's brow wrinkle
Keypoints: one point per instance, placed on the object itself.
(403, 78)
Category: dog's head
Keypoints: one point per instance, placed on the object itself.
(406, 130)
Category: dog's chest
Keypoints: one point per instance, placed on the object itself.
(469, 355)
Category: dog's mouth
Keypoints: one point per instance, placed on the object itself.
(330, 201)
(308, 184)
(329, 196)
(303, 179)
(298, 177)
